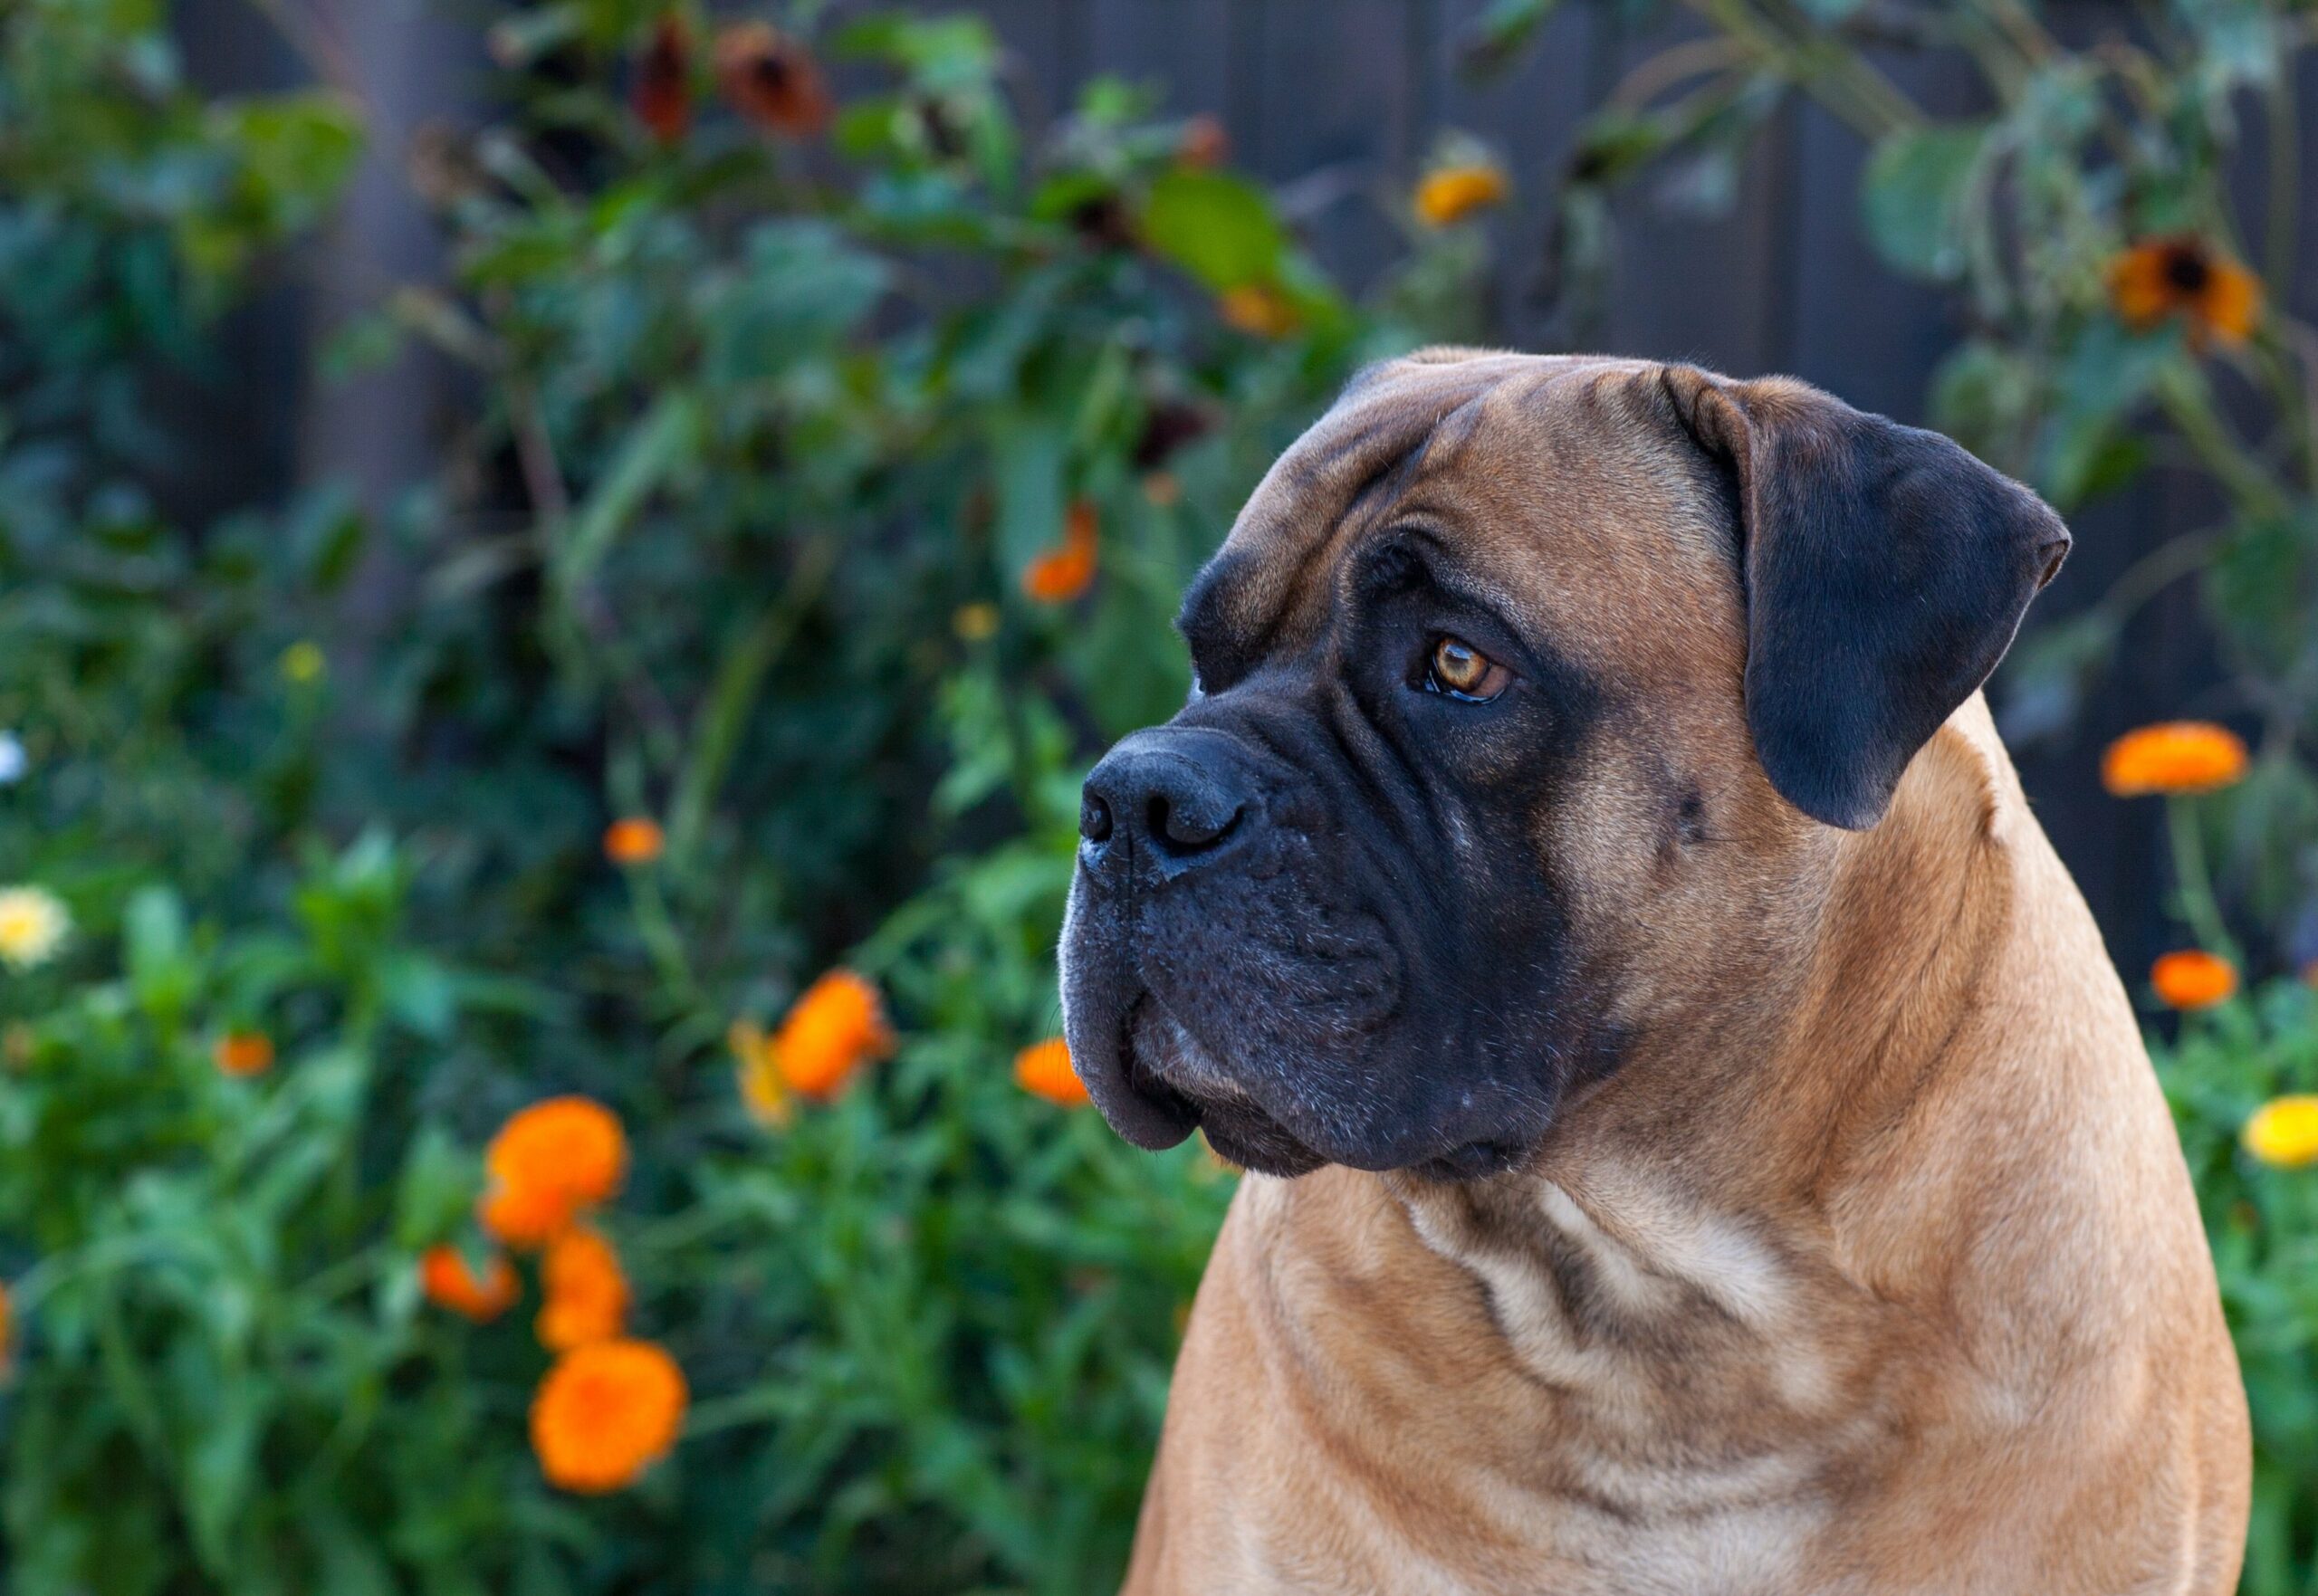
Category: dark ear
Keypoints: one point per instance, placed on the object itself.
(1885, 572)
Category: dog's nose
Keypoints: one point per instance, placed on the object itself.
(1173, 795)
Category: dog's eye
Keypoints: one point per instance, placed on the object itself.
(1462, 671)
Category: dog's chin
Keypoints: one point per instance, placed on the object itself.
(1175, 1080)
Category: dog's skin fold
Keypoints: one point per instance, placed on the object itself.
(1724, 1158)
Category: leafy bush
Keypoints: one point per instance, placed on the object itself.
(825, 505)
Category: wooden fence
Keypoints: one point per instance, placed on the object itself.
(1342, 99)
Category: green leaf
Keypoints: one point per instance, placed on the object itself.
(1219, 228)
(667, 439)
(1917, 186)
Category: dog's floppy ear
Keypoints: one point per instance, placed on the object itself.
(1886, 572)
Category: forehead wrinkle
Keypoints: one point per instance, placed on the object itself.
(1301, 515)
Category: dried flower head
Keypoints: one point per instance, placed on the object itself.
(773, 80)
(661, 95)
(2184, 275)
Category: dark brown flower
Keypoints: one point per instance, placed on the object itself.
(773, 80)
(1167, 426)
(661, 97)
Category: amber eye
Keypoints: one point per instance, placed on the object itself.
(1462, 671)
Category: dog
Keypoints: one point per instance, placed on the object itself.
(1697, 1141)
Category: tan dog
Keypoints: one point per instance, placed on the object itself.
(1702, 1145)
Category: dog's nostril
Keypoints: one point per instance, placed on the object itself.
(1094, 818)
(1189, 825)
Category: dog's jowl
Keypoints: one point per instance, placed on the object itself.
(1698, 1144)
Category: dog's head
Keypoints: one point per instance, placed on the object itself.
(1526, 690)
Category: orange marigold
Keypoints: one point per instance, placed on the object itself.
(2183, 275)
(547, 1164)
(1449, 195)
(1044, 1070)
(2192, 978)
(633, 840)
(1062, 573)
(1258, 309)
(830, 1032)
(661, 95)
(585, 1288)
(448, 1281)
(2176, 756)
(773, 80)
(605, 1413)
(243, 1053)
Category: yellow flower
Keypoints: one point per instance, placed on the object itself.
(2185, 276)
(606, 1412)
(447, 1280)
(2283, 1132)
(1044, 1070)
(586, 1291)
(548, 1164)
(303, 662)
(633, 840)
(1451, 194)
(976, 622)
(34, 924)
(1256, 309)
(830, 1032)
(762, 1091)
(2193, 979)
(2173, 756)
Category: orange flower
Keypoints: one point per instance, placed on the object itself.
(1258, 309)
(661, 97)
(448, 1283)
(586, 1291)
(1451, 194)
(633, 840)
(606, 1412)
(773, 80)
(549, 1163)
(1204, 142)
(830, 1032)
(2174, 757)
(1065, 571)
(2183, 275)
(1044, 1070)
(242, 1054)
(2192, 978)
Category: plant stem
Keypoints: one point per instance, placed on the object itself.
(2194, 881)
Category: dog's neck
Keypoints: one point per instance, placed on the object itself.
(1657, 1248)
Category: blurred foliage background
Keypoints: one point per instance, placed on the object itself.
(820, 419)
